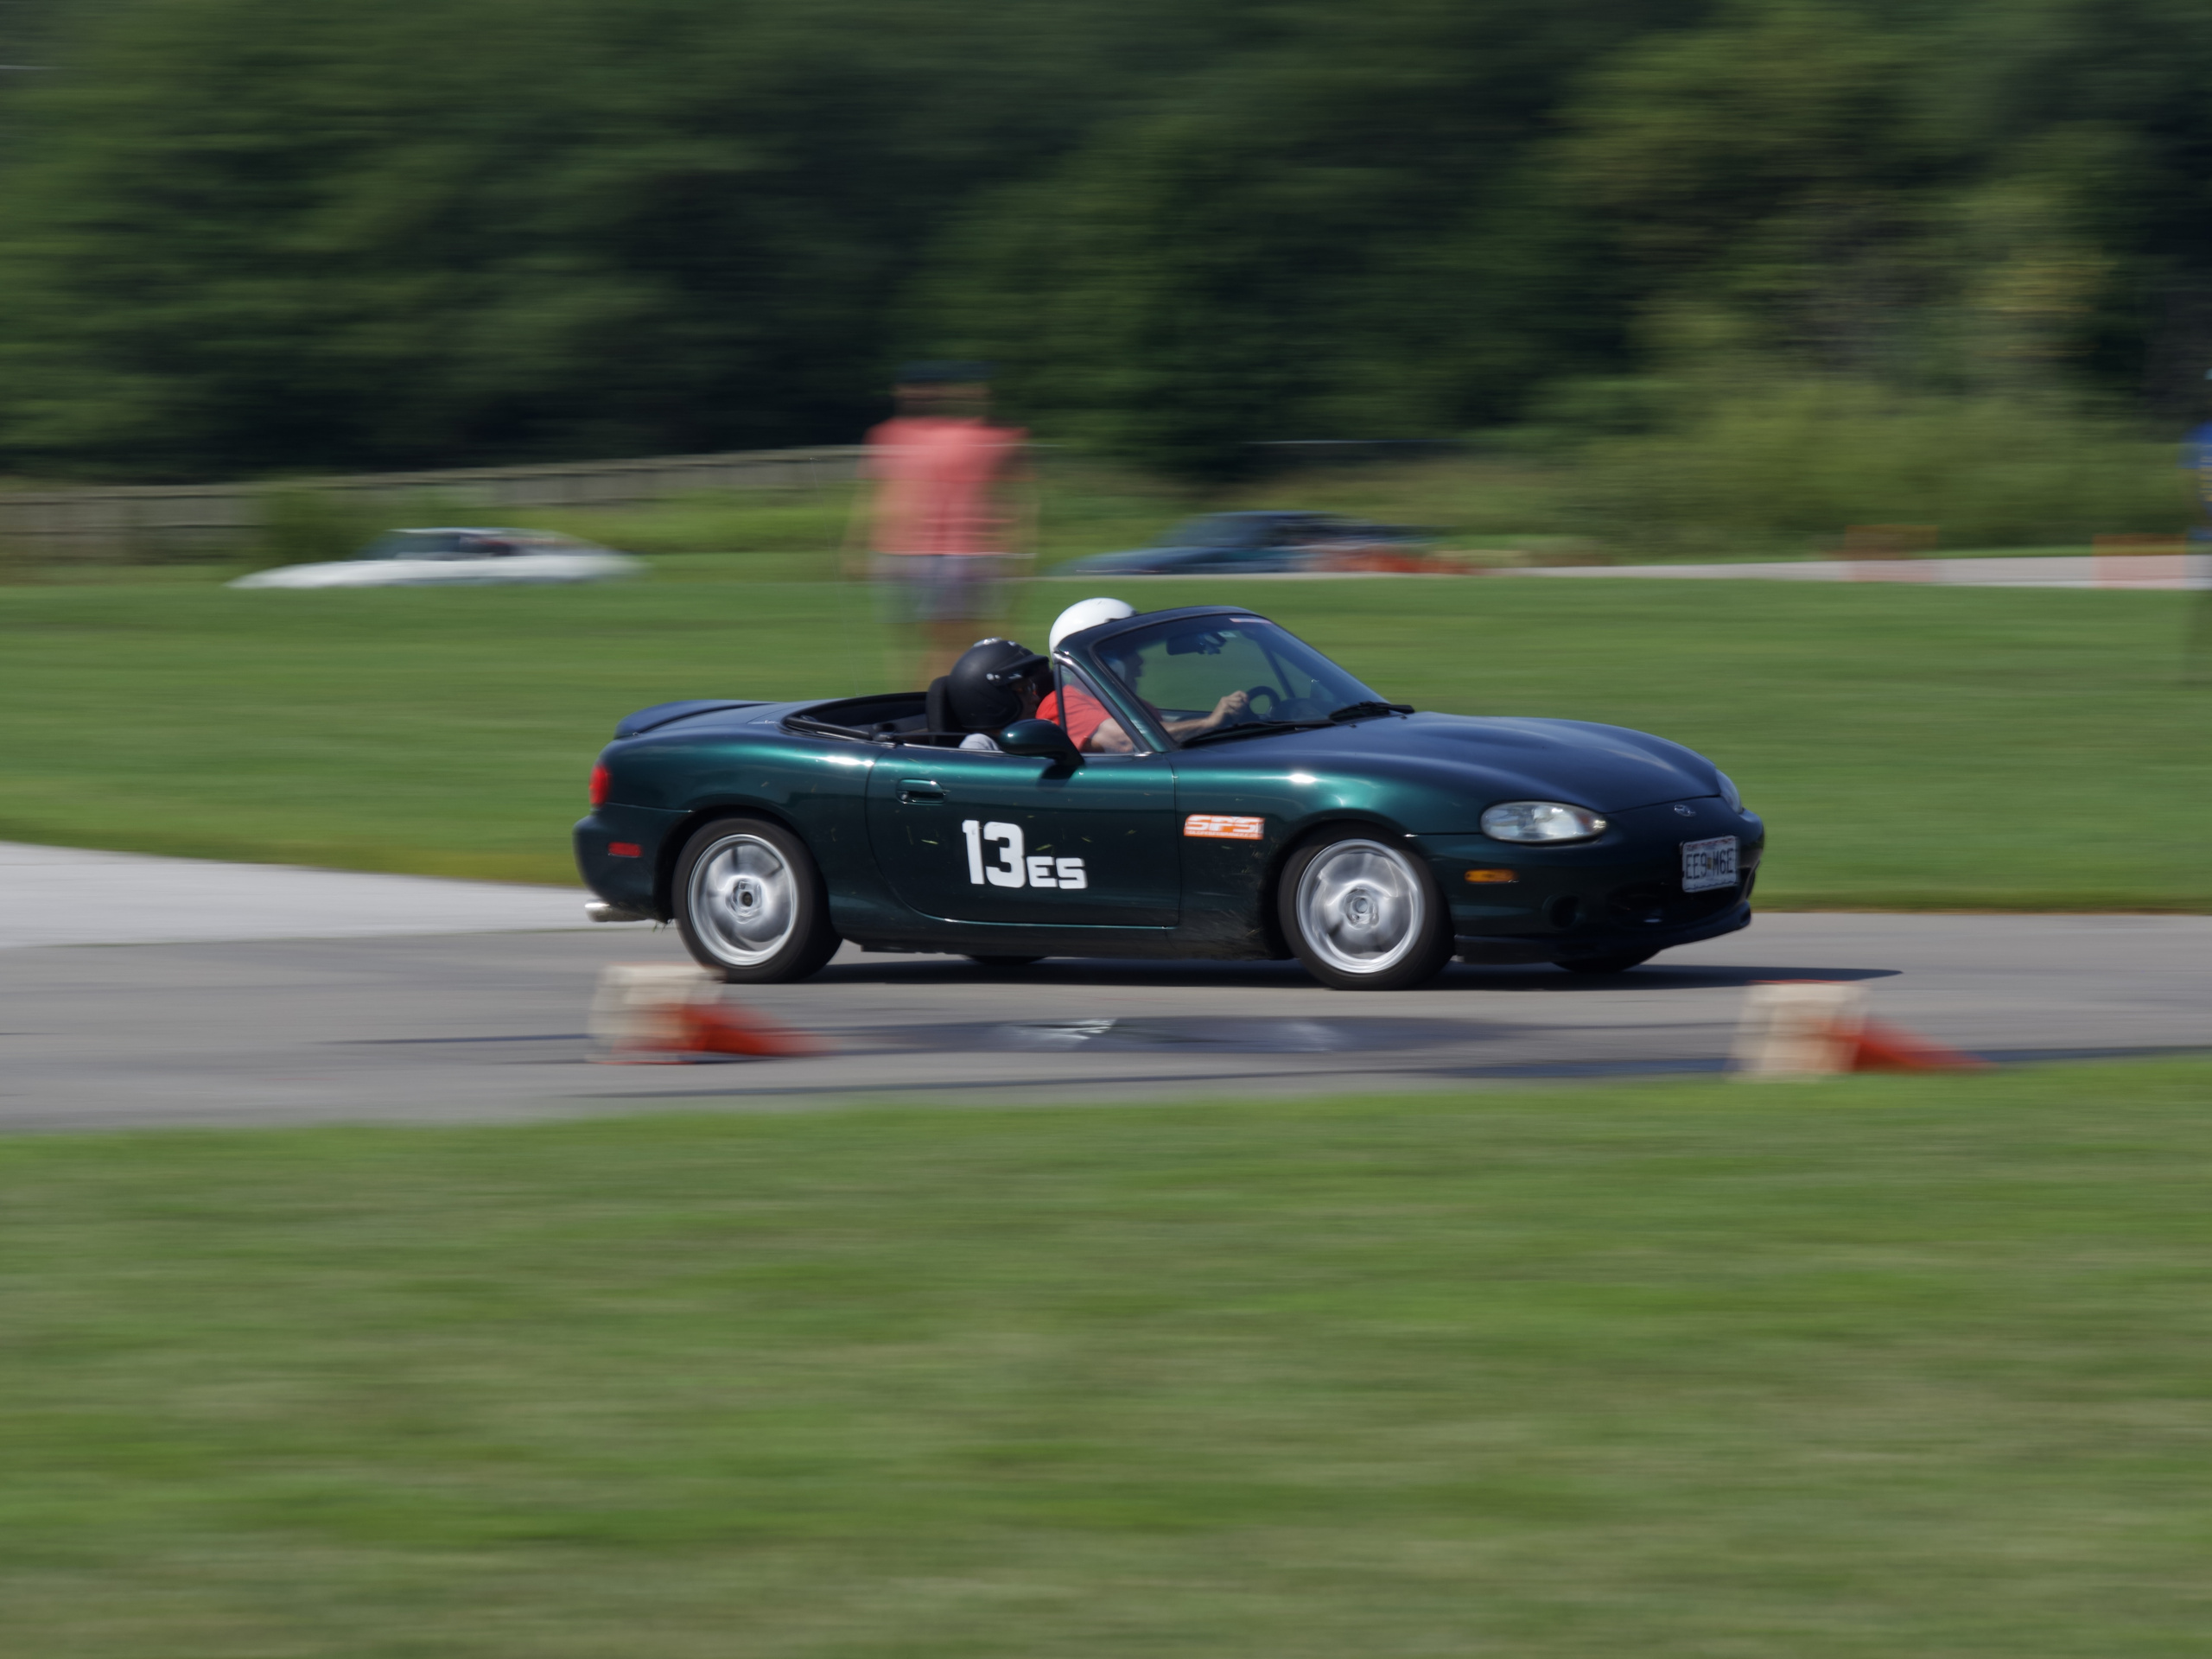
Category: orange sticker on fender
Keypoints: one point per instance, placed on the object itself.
(1219, 826)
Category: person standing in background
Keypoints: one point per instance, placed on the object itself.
(2197, 568)
(2196, 460)
(950, 513)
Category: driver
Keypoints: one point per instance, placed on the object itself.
(1129, 667)
(1085, 720)
(1093, 728)
(1088, 724)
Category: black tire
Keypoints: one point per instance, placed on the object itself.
(1613, 964)
(750, 903)
(1002, 962)
(1364, 914)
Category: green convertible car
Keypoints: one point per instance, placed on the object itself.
(1208, 785)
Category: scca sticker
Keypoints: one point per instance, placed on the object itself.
(1223, 826)
(1009, 867)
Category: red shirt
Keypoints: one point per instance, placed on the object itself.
(934, 478)
(1085, 716)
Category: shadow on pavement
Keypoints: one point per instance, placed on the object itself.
(1290, 977)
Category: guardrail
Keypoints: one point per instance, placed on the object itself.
(162, 521)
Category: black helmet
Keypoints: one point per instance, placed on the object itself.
(984, 688)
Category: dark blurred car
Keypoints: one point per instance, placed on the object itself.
(1250, 544)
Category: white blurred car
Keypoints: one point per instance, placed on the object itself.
(449, 554)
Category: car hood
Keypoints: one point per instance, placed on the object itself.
(1479, 762)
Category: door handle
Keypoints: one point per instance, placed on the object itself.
(918, 789)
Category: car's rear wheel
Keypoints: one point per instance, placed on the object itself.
(750, 903)
(1002, 962)
(1619, 963)
(1364, 916)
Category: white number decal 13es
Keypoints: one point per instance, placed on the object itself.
(1011, 868)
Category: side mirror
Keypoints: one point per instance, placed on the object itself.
(1040, 738)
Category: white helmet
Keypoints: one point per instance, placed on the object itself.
(1087, 614)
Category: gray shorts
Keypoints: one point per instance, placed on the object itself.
(941, 587)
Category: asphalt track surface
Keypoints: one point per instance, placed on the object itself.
(158, 991)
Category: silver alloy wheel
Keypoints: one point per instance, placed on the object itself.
(743, 900)
(1360, 906)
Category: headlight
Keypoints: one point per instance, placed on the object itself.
(1731, 796)
(1541, 820)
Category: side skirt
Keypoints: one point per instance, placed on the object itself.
(1143, 943)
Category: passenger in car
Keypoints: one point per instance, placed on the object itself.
(995, 683)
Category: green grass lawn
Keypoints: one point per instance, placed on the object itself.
(1876, 1367)
(1909, 747)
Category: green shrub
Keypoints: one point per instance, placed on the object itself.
(1658, 468)
(301, 526)
(799, 521)
(1795, 463)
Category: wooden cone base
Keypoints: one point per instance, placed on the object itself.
(1812, 1028)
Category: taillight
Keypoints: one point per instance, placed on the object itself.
(598, 782)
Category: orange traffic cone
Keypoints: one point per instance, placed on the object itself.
(665, 1013)
(725, 1028)
(1883, 1047)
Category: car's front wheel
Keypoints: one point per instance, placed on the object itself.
(750, 903)
(1364, 916)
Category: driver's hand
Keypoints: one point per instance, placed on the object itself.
(1229, 708)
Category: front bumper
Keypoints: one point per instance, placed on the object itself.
(1619, 894)
(1480, 949)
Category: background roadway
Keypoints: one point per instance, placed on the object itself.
(151, 991)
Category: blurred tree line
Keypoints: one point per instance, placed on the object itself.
(237, 235)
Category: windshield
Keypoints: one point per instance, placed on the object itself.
(1210, 672)
(1208, 532)
(409, 544)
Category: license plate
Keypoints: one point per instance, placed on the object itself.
(1708, 864)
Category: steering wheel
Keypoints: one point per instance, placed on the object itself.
(1252, 702)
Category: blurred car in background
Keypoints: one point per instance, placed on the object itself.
(451, 555)
(1266, 542)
